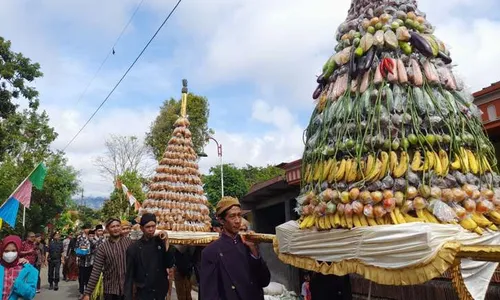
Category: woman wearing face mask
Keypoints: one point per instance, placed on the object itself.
(17, 280)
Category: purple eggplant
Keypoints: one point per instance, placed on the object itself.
(421, 44)
(317, 91)
(446, 59)
(370, 56)
(321, 78)
(353, 68)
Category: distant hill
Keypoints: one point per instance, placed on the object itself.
(91, 202)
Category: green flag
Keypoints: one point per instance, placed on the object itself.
(38, 176)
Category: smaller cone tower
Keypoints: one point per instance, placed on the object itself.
(176, 193)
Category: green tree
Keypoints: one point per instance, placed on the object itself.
(47, 204)
(255, 175)
(161, 129)
(16, 72)
(234, 183)
(118, 205)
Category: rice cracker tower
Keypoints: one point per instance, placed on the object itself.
(394, 137)
(176, 193)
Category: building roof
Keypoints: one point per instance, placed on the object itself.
(493, 87)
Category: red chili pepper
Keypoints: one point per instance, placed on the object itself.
(387, 65)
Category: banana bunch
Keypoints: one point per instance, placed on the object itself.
(438, 162)
(465, 161)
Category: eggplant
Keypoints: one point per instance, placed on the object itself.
(321, 78)
(361, 64)
(421, 44)
(446, 59)
(317, 91)
(369, 58)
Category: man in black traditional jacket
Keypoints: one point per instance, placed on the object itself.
(147, 263)
(231, 267)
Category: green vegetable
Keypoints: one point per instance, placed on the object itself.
(410, 23)
(359, 52)
(405, 143)
(434, 44)
(406, 47)
(357, 35)
(371, 29)
(395, 144)
(356, 42)
(412, 138)
(430, 138)
(378, 26)
(395, 25)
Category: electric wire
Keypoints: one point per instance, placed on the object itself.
(123, 77)
(109, 53)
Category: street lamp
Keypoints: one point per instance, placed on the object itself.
(219, 154)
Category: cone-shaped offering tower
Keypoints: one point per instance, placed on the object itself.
(176, 194)
(394, 137)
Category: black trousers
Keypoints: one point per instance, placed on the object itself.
(54, 270)
(113, 297)
(83, 278)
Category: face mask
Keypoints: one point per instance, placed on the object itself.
(9, 257)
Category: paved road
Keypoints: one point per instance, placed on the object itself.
(69, 290)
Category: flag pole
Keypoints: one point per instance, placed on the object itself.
(24, 215)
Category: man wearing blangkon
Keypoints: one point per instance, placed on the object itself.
(147, 263)
(231, 267)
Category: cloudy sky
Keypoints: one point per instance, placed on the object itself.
(255, 60)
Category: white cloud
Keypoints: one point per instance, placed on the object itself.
(276, 47)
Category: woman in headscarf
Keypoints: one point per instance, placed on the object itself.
(17, 280)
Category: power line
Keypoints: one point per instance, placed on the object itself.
(112, 51)
(123, 77)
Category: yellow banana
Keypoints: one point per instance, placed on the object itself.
(362, 220)
(456, 164)
(326, 169)
(349, 221)
(355, 220)
(337, 219)
(420, 215)
(393, 161)
(480, 220)
(341, 170)
(399, 216)
(394, 220)
(331, 219)
(343, 222)
(402, 167)
(370, 164)
(317, 171)
(416, 163)
(333, 170)
(465, 161)
(473, 164)
(445, 162)
(380, 221)
(328, 225)
(494, 216)
(438, 168)
(384, 157)
(410, 219)
(485, 165)
(429, 161)
(372, 222)
(430, 217)
(305, 222)
(316, 223)
(468, 224)
(351, 175)
(493, 227)
(373, 174)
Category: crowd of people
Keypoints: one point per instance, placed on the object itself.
(111, 265)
